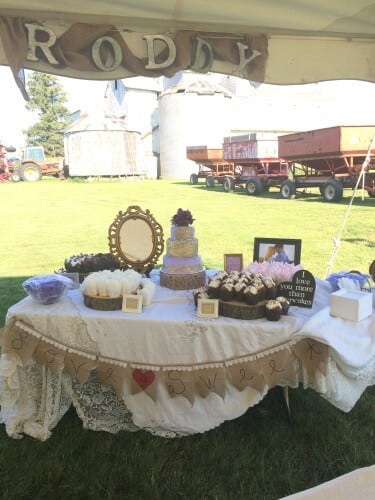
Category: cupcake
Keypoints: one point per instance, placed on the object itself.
(234, 275)
(220, 275)
(227, 292)
(200, 293)
(213, 288)
(251, 295)
(284, 304)
(238, 291)
(261, 290)
(270, 288)
(273, 310)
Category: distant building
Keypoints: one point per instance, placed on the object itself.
(201, 109)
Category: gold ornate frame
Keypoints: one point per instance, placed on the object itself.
(142, 245)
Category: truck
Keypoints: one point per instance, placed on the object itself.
(31, 167)
(330, 159)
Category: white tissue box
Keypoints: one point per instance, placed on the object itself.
(353, 305)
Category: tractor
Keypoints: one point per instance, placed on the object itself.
(33, 166)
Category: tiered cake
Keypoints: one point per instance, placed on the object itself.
(182, 266)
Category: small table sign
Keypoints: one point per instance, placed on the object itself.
(132, 303)
(208, 308)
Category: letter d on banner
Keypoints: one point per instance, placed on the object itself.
(152, 64)
(203, 50)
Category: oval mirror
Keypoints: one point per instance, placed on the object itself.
(136, 239)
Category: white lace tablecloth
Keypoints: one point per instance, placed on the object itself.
(168, 334)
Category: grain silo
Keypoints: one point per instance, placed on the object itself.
(100, 145)
(191, 114)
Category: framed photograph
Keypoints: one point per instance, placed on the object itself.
(277, 250)
(132, 303)
(233, 262)
(208, 308)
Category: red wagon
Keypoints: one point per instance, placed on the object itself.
(330, 159)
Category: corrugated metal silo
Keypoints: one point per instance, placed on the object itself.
(191, 114)
(101, 145)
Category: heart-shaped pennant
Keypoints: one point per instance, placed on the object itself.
(144, 378)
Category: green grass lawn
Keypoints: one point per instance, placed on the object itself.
(258, 456)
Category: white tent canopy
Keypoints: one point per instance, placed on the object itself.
(272, 41)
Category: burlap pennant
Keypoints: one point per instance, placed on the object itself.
(79, 367)
(143, 380)
(278, 366)
(14, 41)
(6, 329)
(111, 375)
(180, 383)
(48, 355)
(210, 380)
(312, 354)
(18, 341)
(246, 374)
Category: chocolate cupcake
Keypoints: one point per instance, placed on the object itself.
(234, 275)
(261, 290)
(284, 304)
(273, 310)
(271, 290)
(238, 291)
(251, 295)
(213, 288)
(220, 275)
(227, 292)
(200, 293)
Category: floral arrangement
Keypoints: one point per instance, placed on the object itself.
(278, 271)
(182, 218)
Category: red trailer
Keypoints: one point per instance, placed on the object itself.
(211, 165)
(257, 160)
(330, 159)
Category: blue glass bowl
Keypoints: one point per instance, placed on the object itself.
(48, 288)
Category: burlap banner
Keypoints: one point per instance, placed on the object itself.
(312, 354)
(247, 374)
(111, 375)
(105, 52)
(279, 365)
(209, 380)
(180, 383)
(50, 356)
(19, 341)
(143, 380)
(79, 366)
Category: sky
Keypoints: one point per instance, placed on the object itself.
(86, 94)
(81, 94)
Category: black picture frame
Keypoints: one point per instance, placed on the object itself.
(290, 247)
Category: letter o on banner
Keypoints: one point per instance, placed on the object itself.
(110, 63)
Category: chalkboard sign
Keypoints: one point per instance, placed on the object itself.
(300, 291)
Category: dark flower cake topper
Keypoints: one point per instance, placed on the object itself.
(182, 218)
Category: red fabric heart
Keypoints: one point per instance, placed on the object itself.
(144, 378)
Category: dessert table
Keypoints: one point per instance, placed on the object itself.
(167, 371)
